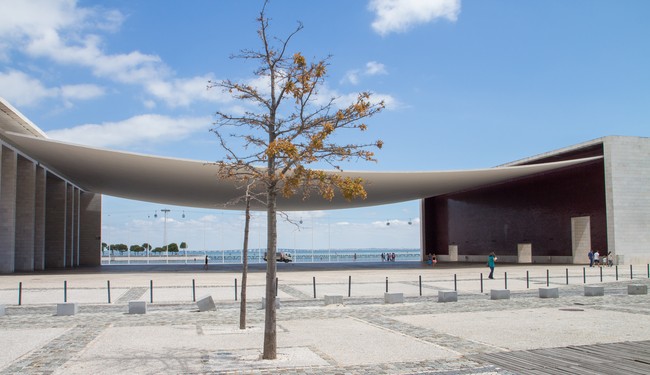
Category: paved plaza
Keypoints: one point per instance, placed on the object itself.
(475, 335)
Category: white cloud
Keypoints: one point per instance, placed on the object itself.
(374, 68)
(69, 34)
(135, 130)
(23, 90)
(401, 15)
(351, 76)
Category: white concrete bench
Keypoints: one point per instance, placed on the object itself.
(636, 289)
(549, 292)
(277, 303)
(66, 308)
(206, 303)
(447, 296)
(333, 300)
(393, 297)
(593, 290)
(499, 294)
(137, 307)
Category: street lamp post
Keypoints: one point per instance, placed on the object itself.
(165, 211)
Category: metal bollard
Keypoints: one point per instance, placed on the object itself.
(567, 276)
(631, 274)
(601, 274)
(151, 291)
(505, 279)
(276, 286)
(386, 284)
(193, 291)
(20, 293)
(481, 282)
(236, 289)
(617, 272)
(349, 285)
(108, 290)
(455, 283)
(548, 277)
(584, 275)
(420, 285)
(65, 291)
(314, 286)
(527, 281)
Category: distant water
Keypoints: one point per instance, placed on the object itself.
(256, 256)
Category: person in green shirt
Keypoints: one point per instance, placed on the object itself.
(491, 259)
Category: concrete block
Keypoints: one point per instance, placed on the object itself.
(524, 253)
(393, 297)
(549, 293)
(499, 294)
(277, 303)
(634, 289)
(2, 310)
(206, 303)
(66, 308)
(447, 296)
(333, 300)
(453, 253)
(592, 290)
(137, 307)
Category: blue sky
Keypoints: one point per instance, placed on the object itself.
(469, 84)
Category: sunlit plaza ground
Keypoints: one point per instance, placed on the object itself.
(362, 335)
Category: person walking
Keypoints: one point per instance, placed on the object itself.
(597, 258)
(205, 266)
(591, 258)
(491, 259)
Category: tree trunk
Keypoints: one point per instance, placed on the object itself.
(270, 333)
(244, 276)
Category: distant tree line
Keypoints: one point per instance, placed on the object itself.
(172, 248)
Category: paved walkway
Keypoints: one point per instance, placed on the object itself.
(364, 335)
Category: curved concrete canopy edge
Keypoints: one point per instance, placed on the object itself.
(195, 183)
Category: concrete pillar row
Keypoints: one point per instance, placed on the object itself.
(39, 218)
(76, 225)
(69, 226)
(25, 214)
(90, 229)
(55, 222)
(8, 165)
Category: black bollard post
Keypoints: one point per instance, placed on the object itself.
(420, 285)
(601, 274)
(527, 280)
(505, 279)
(236, 289)
(193, 290)
(349, 285)
(386, 284)
(584, 275)
(276, 286)
(20, 293)
(548, 277)
(150, 291)
(617, 272)
(567, 276)
(108, 290)
(631, 274)
(65, 291)
(481, 282)
(455, 285)
(314, 286)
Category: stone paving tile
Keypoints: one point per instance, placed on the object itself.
(92, 319)
(132, 295)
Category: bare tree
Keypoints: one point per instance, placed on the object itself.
(287, 128)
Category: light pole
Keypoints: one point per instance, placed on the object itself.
(165, 211)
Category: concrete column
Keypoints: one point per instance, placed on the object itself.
(90, 229)
(76, 217)
(55, 222)
(524, 253)
(453, 253)
(581, 239)
(25, 211)
(69, 226)
(8, 161)
(39, 219)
